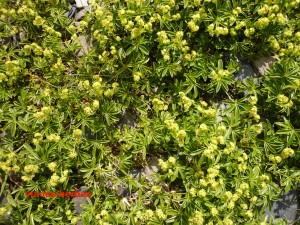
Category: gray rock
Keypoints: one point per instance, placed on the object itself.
(153, 164)
(22, 35)
(262, 65)
(288, 207)
(85, 43)
(81, 3)
(80, 200)
(147, 171)
(123, 191)
(246, 71)
(89, 133)
(222, 107)
(137, 173)
(81, 13)
(3, 200)
(128, 119)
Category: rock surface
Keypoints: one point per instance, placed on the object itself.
(128, 119)
(288, 207)
(246, 71)
(80, 200)
(137, 173)
(262, 65)
(85, 43)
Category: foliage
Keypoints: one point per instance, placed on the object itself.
(170, 64)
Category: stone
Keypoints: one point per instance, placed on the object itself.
(128, 119)
(246, 71)
(72, 11)
(22, 35)
(287, 207)
(79, 15)
(89, 133)
(123, 191)
(153, 164)
(137, 173)
(85, 45)
(80, 200)
(81, 3)
(262, 65)
(147, 171)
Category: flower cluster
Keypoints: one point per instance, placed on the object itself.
(217, 30)
(180, 134)
(169, 164)
(197, 219)
(218, 75)
(159, 105)
(187, 102)
(7, 165)
(287, 152)
(202, 129)
(52, 166)
(163, 38)
(13, 67)
(53, 138)
(284, 101)
(30, 171)
(253, 113)
(44, 114)
(58, 67)
(261, 23)
(55, 179)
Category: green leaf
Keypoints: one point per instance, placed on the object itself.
(144, 50)
(175, 174)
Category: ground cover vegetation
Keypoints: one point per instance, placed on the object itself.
(170, 64)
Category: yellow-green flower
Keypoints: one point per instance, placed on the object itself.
(249, 214)
(197, 219)
(227, 222)
(38, 21)
(214, 212)
(52, 166)
(3, 77)
(156, 189)
(287, 152)
(54, 180)
(15, 168)
(53, 138)
(3, 211)
(95, 104)
(160, 214)
(31, 169)
(88, 111)
(96, 85)
(64, 93)
(148, 214)
(201, 193)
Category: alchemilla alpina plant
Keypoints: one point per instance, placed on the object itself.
(167, 66)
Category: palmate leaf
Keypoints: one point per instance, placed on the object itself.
(192, 82)
(223, 84)
(288, 130)
(273, 144)
(109, 112)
